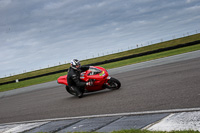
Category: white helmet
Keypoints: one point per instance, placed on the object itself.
(75, 64)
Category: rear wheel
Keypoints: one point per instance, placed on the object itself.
(113, 84)
(69, 90)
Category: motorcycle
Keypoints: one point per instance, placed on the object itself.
(98, 76)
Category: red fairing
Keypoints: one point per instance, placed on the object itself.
(62, 80)
(97, 74)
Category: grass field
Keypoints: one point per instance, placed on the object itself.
(107, 66)
(145, 131)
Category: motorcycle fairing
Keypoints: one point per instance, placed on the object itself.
(97, 74)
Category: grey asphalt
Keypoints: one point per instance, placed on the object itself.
(162, 61)
(167, 83)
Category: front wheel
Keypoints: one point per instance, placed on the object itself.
(113, 84)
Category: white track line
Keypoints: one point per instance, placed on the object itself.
(178, 122)
(110, 115)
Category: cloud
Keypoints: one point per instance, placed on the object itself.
(38, 33)
(4, 3)
(190, 1)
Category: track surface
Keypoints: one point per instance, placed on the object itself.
(169, 86)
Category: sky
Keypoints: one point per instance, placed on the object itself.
(37, 34)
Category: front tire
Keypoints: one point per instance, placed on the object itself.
(113, 84)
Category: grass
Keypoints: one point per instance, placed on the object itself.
(30, 82)
(151, 57)
(144, 131)
(107, 66)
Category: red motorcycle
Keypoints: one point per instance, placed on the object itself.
(98, 75)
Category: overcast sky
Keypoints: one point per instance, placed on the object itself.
(38, 33)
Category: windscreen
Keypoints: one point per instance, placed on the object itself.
(94, 71)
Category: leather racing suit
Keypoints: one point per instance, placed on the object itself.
(73, 79)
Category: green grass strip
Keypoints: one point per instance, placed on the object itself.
(143, 131)
(151, 57)
(146, 131)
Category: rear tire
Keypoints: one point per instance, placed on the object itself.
(114, 84)
(70, 91)
(73, 92)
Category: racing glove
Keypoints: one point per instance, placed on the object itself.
(90, 83)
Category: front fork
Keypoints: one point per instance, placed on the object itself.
(106, 84)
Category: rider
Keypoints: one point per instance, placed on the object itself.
(73, 77)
